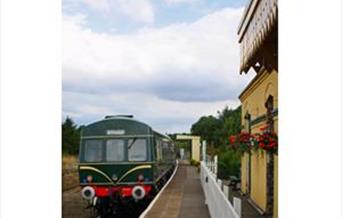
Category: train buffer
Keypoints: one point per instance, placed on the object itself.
(182, 198)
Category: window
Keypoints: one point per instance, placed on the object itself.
(166, 150)
(248, 121)
(159, 150)
(269, 114)
(93, 151)
(115, 150)
(137, 150)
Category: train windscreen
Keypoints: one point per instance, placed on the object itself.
(115, 150)
(112, 150)
(137, 150)
(93, 151)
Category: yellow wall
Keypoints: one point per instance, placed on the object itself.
(195, 145)
(275, 191)
(253, 101)
(244, 162)
(258, 179)
(195, 150)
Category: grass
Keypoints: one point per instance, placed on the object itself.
(69, 161)
(69, 172)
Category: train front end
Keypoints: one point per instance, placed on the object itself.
(115, 164)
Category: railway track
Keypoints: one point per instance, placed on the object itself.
(73, 206)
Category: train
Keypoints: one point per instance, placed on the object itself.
(123, 163)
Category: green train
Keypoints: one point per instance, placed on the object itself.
(122, 162)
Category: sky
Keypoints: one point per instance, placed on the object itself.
(167, 62)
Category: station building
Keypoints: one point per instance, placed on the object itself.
(258, 38)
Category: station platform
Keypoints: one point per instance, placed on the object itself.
(182, 198)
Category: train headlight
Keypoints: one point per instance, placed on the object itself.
(138, 192)
(89, 178)
(114, 177)
(88, 193)
(141, 178)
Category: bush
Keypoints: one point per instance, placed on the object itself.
(194, 163)
(228, 163)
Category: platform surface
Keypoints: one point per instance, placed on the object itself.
(183, 197)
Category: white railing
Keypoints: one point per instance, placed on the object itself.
(216, 194)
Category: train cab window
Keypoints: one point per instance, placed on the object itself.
(93, 151)
(115, 150)
(137, 150)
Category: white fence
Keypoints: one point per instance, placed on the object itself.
(217, 200)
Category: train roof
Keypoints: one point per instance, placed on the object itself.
(119, 125)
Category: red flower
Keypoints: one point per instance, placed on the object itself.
(232, 139)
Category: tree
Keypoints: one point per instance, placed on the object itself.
(231, 123)
(216, 130)
(70, 137)
(209, 128)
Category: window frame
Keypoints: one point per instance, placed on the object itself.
(124, 150)
(146, 149)
(85, 151)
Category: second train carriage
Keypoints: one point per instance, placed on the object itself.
(123, 161)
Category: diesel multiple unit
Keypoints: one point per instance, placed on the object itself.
(123, 162)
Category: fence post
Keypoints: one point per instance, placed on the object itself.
(204, 151)
(219, 182)
(217, 195)
(237, 205)
(215, 164)
(226, 191)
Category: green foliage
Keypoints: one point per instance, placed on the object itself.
(209, 128)
(70, 137)
(216, 130)
(183, 144)
(232, 123)
(194, 163)
(228, 163)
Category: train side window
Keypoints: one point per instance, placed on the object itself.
(137, 150)
(166, 150)
(159, 150)
(93, 150)
(115, 150)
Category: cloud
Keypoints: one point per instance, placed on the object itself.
(98, 4)
(174, 2)
(163, 115)
(167, 77)
(139, 11)
(181, 62)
